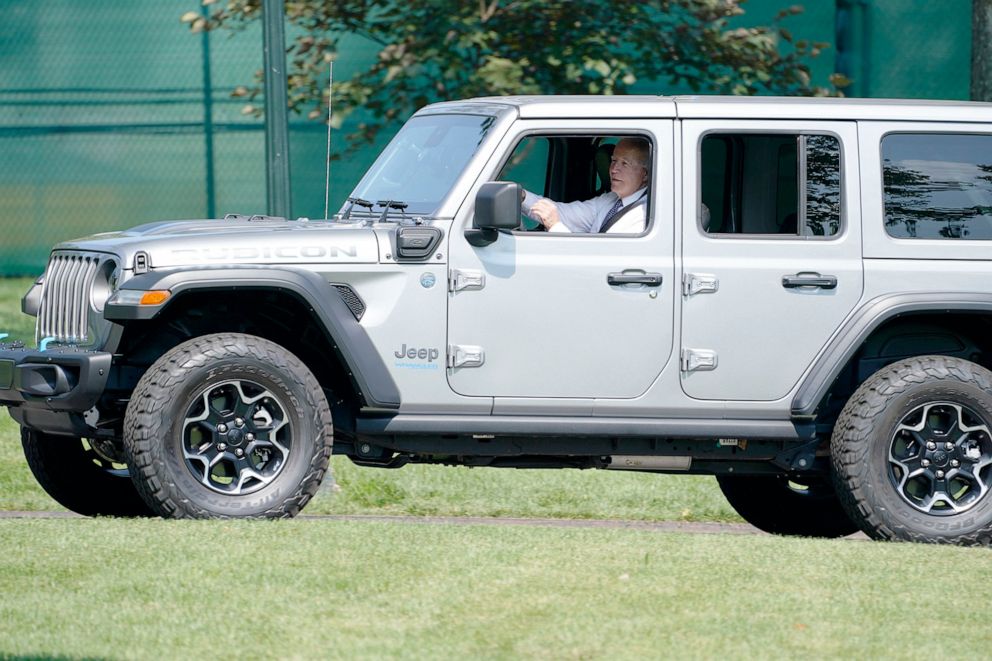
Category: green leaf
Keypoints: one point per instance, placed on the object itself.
(431, 50)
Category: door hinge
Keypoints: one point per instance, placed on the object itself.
(465, 355)
(460, 280)
(698, 360)
(699, 283)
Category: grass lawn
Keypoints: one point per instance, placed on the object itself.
(17, 325)
(106, 588)
(103, 588)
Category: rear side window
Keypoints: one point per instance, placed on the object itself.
(937, 186)
(783, 184)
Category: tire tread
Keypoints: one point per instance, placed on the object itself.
(853, 437)
(152, 396)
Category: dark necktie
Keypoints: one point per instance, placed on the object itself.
(614, 210)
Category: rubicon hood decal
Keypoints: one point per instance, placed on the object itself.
(225, 242)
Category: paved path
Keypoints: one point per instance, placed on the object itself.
(657, 526)
(663, 526)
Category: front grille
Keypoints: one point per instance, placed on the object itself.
(352, 300)
(65, 299)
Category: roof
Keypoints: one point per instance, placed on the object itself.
(740, 107)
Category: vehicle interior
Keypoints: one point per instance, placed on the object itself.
(563, 168)
(782, 184)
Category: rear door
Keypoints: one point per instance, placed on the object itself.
(771, 251)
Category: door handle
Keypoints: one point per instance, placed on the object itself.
(809, 280)
(649, 279)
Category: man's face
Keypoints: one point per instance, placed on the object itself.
(627, 171)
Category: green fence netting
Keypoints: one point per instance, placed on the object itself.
(112, 114)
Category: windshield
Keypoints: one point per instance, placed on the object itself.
(421, 164)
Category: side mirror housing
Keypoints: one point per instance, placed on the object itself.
(497, 207)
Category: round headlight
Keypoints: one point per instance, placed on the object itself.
(105, 282)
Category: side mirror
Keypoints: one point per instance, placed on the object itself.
(497, 207)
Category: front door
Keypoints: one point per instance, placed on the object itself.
(548, 312)
(771, 252)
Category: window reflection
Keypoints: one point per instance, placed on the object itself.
(938, 186)
(423, 160)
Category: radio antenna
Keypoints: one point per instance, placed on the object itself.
(327, 177)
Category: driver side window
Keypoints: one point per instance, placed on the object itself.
(528, 166)
(572, 174)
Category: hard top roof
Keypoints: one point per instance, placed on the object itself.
(740, 107)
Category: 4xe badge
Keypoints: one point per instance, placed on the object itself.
(417, 358)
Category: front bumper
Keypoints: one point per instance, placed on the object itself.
(58, 380)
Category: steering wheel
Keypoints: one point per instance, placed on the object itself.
(525, 222)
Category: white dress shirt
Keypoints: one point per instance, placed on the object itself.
(588, 215)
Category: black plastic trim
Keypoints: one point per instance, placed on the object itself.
(351, 299)
(57, 380)
(585, 426)
(416, 243)
(853, 334)
(60, 423)
(352, 343)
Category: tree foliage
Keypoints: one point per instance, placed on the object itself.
(433, 50)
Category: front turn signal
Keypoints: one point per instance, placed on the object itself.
(154, 297)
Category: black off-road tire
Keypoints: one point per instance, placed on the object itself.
(79, 479)
(862, 449)
(774, 504)
(162, 434)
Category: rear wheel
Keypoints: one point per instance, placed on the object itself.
(779, 505)
(912, 452)
(228, 425)
(80, 477)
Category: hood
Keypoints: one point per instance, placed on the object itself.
(193, 242)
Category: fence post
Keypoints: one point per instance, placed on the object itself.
(277, 188)
(853, 37)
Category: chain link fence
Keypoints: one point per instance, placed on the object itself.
(918, 49)
(112, 114)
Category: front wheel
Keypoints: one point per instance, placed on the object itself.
(80, 477)
(781, 506)
(912, 452)
(228, 425)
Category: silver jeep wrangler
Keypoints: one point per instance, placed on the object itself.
(806, 316)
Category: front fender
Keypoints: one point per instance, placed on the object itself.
(350, 340)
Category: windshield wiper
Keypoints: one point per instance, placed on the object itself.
(392, 204)
(352, 201)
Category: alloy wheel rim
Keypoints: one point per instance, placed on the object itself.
(236, 437)
(940, 458)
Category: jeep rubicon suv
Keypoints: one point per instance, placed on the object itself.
(806, 316)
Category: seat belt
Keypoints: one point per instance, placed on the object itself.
(641, 201)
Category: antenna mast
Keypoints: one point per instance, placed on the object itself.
(327, 178)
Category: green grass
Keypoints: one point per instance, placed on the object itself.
(12, 321)
(154, 589)
(103, 588)
(461, 491)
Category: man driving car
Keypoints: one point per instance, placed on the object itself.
(621, 210)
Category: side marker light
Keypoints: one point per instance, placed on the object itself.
(154, 297)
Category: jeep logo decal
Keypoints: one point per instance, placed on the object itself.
(422, 358)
